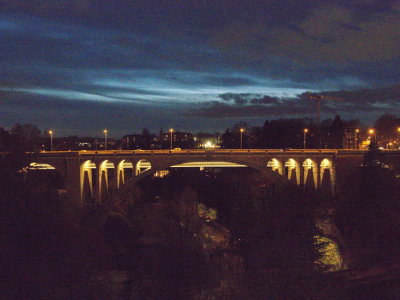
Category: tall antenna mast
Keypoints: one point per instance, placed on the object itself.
(318, 99)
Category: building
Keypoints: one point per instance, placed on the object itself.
(179, 139)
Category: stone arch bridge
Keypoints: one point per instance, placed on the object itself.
(90, 176)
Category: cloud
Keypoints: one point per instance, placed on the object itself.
(330, 34)
(370, 102)
(265, 100)
(171, 60)
(330, 41)
(257, 107)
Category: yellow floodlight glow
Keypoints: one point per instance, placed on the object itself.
(209, 144)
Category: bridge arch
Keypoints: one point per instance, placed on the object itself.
(39, 166)
(142, 165)
(327, 169)
(292, 170)
(149, 167)
(275, 165)
(44, 173)
(87, 181)
(106, 174)
(310, 169)
(125, 170)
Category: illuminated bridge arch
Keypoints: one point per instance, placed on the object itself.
(275, 165)
(310, 169)
(87, 181)
(150, 167)
(39, 166)
(142, 165)
(106, 174)
(292, 171)
(208, 164)
(327, 174)
(124, 171)
(47, 172)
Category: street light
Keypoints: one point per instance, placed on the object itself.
(241, 138)
(171, 131)
(398, 130)
(51, 139)
(304, 137)
(372, 133)
(355, 138)
(105, 138)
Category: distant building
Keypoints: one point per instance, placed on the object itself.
(350, 138)
(133, 141)
(139, 141)
(179, 139)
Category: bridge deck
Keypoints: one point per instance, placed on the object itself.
(211, 151)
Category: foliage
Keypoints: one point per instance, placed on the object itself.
(370, 216)
(265, 223)
(288, 133)
(27, 137)
(386, 126)
(45, 252)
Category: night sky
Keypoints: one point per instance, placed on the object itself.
(79, 66)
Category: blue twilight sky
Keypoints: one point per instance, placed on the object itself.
(79, 66)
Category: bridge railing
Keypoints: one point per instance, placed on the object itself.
(209, 151)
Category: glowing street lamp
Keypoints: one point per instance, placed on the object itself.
(372, 132)
(51, 139)
(241, 138)
(356, 138)
(171, 131)
(105, 138)
(305, 131)
(398, 130)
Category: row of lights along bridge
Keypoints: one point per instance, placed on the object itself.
(372, 137)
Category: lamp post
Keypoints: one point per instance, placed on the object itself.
(171, 131)
(305, 131)
(398, 130)
(105, 138)
(356, 138)
(372, 132)
(241, 138)
(51, 139)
